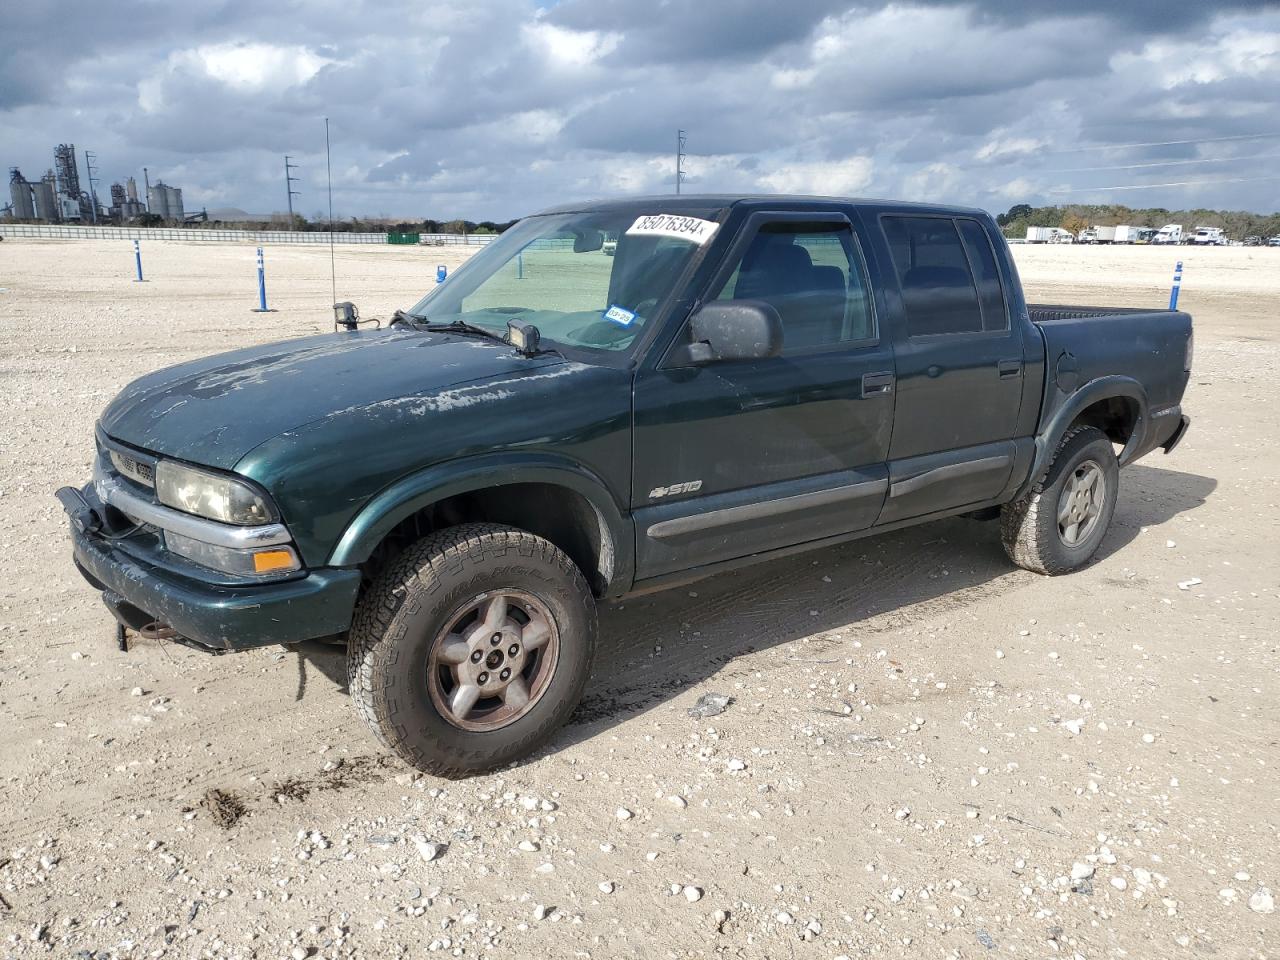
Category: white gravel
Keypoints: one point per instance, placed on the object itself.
(1160, 779)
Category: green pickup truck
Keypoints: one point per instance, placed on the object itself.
(558, 423)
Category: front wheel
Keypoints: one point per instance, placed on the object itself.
(471, 648)
(1061, 523)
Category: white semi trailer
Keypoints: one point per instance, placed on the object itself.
(1210, 236)
(1098, 235)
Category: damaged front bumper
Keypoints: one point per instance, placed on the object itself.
(215, 617)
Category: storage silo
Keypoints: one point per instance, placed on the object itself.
(46, 198)
(165, 201)
(157, 202)
(24, 207)
(174, 197)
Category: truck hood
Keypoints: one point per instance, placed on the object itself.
(215, 410)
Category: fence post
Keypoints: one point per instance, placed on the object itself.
(1177, 286)
(137, 258)
(262, 287)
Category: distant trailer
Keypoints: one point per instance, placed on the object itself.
(1125, 235)
(1098, 235)
(1040, 234)
(1210, 237)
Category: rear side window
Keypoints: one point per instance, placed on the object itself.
(983, 260)
(933, 270)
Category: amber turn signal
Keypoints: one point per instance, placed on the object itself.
(267, 560)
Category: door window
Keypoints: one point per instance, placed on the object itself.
(990, 293)
(812, 275)
(937, 283)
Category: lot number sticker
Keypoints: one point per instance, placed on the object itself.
(619, 315)
(669, 225)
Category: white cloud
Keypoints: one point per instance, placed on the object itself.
(1237, 53)
(835, 178)
(1009, 147)
(936, 182)
(792, 79)
(565, 48)
(240, 67)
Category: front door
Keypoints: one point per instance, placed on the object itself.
(738, 458)
(959, 366)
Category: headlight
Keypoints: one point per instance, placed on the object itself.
(211, 495)
(259, 562)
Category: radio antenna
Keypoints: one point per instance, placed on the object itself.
(328, 169)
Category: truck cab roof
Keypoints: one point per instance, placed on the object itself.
(701, 202)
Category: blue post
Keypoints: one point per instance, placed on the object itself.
(137, 258)
(262, 287)
(1177, 285)
(520, 265)
(441, 273)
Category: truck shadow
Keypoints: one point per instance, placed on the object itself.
(652, 648)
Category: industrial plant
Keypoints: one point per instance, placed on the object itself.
(57, 196)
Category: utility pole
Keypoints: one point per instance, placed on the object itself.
(90, 169)
(680, 141)
(289, 181)
(146, 188)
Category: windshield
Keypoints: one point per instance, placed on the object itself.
(589, 280)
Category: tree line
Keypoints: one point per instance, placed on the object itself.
(1236, 224)
(320, 223)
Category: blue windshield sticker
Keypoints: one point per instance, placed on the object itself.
(619, 315)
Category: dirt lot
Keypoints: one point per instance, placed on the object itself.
(928, 752)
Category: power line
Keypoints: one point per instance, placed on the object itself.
(1165, 143)
(1164, 163)
(1174, 183)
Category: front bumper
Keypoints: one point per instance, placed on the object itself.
(214, 617)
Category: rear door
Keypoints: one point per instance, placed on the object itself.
(959, 365)
(737, 458)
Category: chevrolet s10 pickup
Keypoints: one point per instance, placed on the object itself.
(612, 397)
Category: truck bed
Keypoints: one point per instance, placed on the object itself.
(1046, 313)
(1142, 354)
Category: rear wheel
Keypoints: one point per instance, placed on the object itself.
(1061, 523)
(472, 648)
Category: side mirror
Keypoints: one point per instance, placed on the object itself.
(732, 330)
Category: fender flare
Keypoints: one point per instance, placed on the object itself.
(412, 493)
(1103, 388)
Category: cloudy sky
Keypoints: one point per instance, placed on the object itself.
(496, 108)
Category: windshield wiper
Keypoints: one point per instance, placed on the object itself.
(458, 326)
(408, 319)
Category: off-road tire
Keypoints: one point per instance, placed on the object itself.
(403, 611)
(1029, 526)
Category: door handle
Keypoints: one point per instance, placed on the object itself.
(1009, 369)
(874, 384)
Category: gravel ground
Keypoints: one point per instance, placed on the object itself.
(925, 752)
